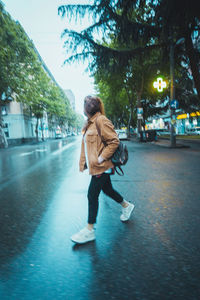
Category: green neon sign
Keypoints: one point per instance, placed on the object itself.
(159, 84)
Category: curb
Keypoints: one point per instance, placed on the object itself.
(167, 145)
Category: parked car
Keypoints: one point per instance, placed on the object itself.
(58, 134)
(122, 135)
(161, 132)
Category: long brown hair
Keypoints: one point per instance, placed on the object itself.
(93, 104)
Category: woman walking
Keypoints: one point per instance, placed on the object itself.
(96, 152)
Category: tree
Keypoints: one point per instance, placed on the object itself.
(115, 101)
(79, 122)
(23, 79)
(128, 36)
(135, 83)
(9, 65)
(17, 61)
(112, 18)
(13, 56)
(132, 31)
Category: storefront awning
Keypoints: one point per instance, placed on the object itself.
(185, 116)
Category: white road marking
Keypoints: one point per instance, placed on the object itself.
(26, 153)
(41, 150)
(54, 153)
(29, 153)
(63, 149)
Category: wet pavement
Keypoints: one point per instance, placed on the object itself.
(193, 144)
(156, 255)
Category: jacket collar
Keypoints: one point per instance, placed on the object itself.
(93, 118)
(90, 121)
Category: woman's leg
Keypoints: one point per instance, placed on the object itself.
(94, 190)
(127, 207)
(109, 191)
(87, 234)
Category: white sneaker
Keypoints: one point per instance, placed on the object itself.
(126, 212)
(83, 236)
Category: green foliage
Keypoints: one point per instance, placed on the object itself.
(15, 55)
(115, 102)
(133, 83)
(22, 78)
(132, 33)
(79, 121)
(179, 23)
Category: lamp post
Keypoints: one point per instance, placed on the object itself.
(172, 90)
(172, 95)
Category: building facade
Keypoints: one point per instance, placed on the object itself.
(71, 98)
(183, 122)
(19, 123)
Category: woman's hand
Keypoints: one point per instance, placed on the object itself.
(100, 159)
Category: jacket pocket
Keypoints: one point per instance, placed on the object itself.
(91, 138)
(92, 152)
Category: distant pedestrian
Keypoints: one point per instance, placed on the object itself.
(95, 155)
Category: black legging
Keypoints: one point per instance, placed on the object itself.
(98, 183)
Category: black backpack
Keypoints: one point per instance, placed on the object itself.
(119, 157)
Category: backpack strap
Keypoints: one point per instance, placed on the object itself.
(121, 173)
(88, 125)
(98, 129)
(99, 133)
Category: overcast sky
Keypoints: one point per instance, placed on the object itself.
(41, 22)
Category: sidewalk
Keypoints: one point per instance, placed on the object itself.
(167, 143)
(180, 143)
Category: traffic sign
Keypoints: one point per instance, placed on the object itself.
(174, 104)
(140, 110)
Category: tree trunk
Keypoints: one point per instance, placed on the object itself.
(139, 105)
(3, 139)
(194, 61)
(143, 122)
(36, 130)
(42, 128)
(130, 121)
(129, 95)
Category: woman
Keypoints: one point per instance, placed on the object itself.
(95, 155)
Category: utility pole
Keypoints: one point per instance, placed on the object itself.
(139, 120)
(172, 95)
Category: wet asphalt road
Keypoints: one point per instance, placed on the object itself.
(156, 255)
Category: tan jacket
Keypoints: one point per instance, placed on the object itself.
(95, 146)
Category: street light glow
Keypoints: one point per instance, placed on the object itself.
(159, 84)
